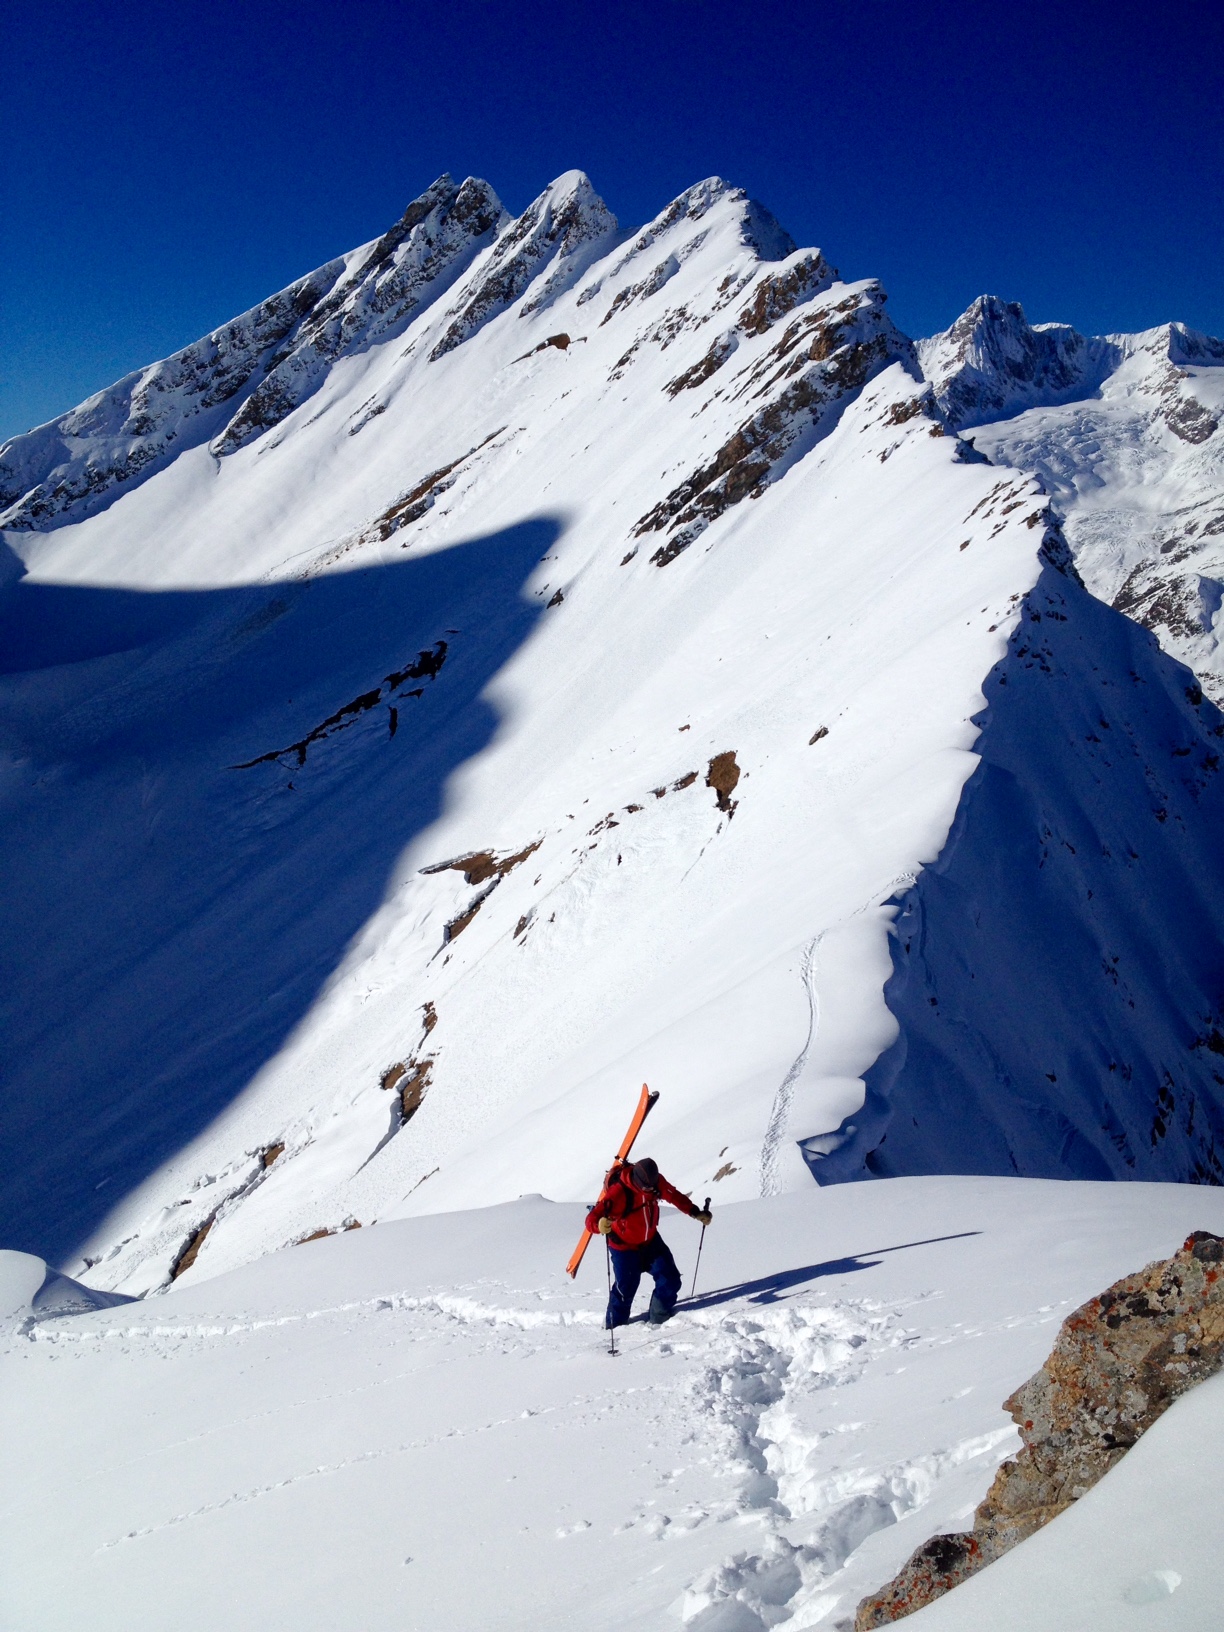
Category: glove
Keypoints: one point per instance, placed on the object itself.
(605, 1226)
(703, 1217)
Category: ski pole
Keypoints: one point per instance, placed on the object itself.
(700, 1244)
(611, 1328)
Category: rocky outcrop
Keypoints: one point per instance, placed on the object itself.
(434, 242)
(820, 360)
(775, 297)
(565, 226)
(81, 461)
(1118, 1363)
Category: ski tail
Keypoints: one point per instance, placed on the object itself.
(644, 1107)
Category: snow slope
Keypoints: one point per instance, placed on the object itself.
(419, 1426)
(523, 659)
(1053, 1019)
(484, 593)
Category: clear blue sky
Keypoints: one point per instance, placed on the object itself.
(167, 165)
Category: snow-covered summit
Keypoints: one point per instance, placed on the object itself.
(992, 362)
(1123, 431)
(243, 378)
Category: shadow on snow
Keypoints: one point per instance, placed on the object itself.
(167, 919)
(771, 1288)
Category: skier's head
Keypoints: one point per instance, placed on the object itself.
(645, 1174)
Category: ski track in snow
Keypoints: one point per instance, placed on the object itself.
(779, 1116)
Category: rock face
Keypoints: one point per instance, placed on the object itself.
(832, 348)
(992, 362)
(246, 377)
(1119, 1362)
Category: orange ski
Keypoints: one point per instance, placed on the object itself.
(645, 1106)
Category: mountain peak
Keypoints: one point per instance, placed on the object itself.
(993, 362)
(563, 228)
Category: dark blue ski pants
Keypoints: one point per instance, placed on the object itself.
(629, 1264)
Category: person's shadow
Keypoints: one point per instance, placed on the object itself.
(774, 1288)
(204, 796)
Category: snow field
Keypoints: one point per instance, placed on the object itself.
(669, 947)
(418, 1425)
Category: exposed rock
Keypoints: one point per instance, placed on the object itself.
(414, 1086)
(423, 495)
(647, 286)
(320, 1235)
(79, 462)
(477, 866)
(1117, 1364)
(992, 361)
(723, 776)
(393, 1075)
(191, 1248)
(425, 666)
(720, 349)
(246, 376)
(554, 342)
(1188, 419)
(565, 225)
(780, 292)
(758, 228)
(435, 240)
(776, 295)
(820, 360)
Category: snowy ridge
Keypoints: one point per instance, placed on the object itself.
(553, 636)
(267, 361)
(1054, 1021)
(328, 709)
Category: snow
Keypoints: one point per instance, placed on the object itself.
(1137, 1551)
(1032, 1036)
(419, 1425)
(1136, 471)
(229, 960)
(365, 672)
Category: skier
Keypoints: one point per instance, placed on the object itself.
(628, 1214)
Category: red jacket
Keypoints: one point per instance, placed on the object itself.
(635, 1211)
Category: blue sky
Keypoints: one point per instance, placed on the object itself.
(169, 165)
